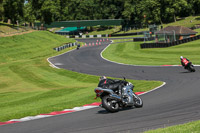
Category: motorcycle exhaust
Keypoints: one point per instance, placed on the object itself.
(111, 93)
(115, 97)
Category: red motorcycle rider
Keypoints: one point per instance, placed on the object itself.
(185, 62)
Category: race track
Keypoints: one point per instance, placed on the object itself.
(175, 103)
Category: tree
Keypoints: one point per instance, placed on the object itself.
(133, 11)
(111, 9)
(28, 14)
(63, 10)
(86, 10)
(172, 9)
(49, 11)
(152, 11)
(36, 6)
(13, 10)
(194, 7)
(1, 10)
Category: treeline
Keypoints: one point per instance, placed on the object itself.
(134, 11)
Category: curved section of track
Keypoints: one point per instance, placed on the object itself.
(175, 103)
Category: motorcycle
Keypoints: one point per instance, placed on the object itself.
(190, 67)
(78, 46)
(124, 97)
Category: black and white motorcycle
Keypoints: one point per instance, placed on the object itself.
(113, 101)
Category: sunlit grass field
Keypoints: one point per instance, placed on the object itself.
(131, 53)
(187, 22)
(9, 30)
(29, 86)
(192, 127)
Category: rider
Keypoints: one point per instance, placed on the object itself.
(185, 62)
(107, 83)
(78, 46)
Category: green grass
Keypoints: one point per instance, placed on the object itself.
(192, 127)
(187, 22)
(197, 30)
(29, 86)
(11, 29)
(131, 53)
(97, 30)
(134, 30)
(121, 40)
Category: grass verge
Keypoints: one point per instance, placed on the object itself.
(10, 30)
(192, 127)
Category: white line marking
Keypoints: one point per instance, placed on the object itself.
(164, 83)
(54, 65)
(28, 118)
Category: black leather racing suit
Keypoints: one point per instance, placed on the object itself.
(115, 85)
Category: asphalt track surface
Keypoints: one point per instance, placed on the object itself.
(177, 102)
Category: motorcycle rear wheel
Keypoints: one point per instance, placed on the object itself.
(110, 104)
(192, 69)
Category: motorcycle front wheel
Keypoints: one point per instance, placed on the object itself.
(138, 102)
(110, 104)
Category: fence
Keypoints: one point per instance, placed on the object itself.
(81, 23)
(67, 45)
(163, 45)
(87, 36)
(103, 35)
(139, 39)
(128, 34)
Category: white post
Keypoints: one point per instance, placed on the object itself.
(174, 35)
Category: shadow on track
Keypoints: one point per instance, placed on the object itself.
(106, 112)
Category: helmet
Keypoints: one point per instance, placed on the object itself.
(102, 78)
(181, 57)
